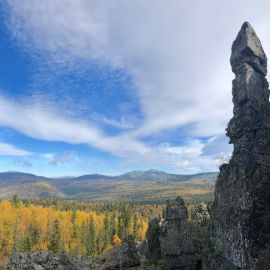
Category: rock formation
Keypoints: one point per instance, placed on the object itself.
(176, 241)
(44, 260)
(152, 243)
(240, 218)
(129, 256)
(199, 220)
(124, 257)
(200, 214)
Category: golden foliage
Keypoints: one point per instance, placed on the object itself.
(25, 227)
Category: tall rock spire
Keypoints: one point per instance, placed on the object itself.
(240, 222)
(247, 48)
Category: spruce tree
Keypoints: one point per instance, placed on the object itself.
(91, 238)
(54, 243)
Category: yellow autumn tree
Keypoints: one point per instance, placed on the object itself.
(116, 240)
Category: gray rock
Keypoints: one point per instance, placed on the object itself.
(124, 257)
(200, 218)
(44, 260)
(247, 48)
(129, 256)
(200, 214)
(176, 242)
(38, 267)
(240, 217)
(152, 238)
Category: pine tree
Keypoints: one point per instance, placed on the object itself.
(16, 200)
(91, 238)
(54, 243)
(113, 227)
(106, 231)
(135, 226)
(27, 245)
(34, 234)
(126, 216)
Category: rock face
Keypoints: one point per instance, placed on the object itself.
(200, 218)
(175, 238)
(240, 217)
(200, 214)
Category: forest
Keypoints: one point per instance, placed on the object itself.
(77, 228)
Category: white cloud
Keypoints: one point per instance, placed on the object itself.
(177, 53)
(189, 158)
(11, 150)
(123, 122)
(47, 124)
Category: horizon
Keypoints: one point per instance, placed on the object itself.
(108, 175)
(81, 98)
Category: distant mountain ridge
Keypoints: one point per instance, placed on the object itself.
(96, 186)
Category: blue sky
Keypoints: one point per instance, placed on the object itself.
(98, 87)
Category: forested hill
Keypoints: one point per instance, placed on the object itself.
(151, 185)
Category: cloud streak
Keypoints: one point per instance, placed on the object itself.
(11, 150)
(46, 124)
(61, 159)
(22, 163)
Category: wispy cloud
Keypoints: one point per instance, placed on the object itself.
(11, 150)
(47, 124)
(22, 163)
(61, 159)
(123, 122)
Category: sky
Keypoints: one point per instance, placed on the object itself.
(112, 86)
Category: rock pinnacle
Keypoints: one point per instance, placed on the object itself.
(240, 220)
(247, 48)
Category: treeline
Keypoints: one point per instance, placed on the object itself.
(143, 209)
(27, 226)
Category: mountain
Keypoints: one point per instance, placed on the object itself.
(156, 175)
(150, 185)
(18, 177)
(27, 185)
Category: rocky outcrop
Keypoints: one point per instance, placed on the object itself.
(240, 218)
(124, 257)
(44, 260)
(176, 241)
